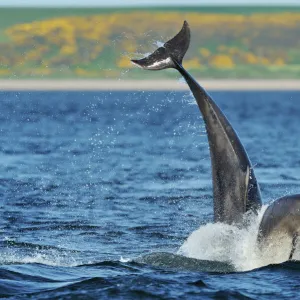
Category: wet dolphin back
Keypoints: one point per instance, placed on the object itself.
(281, 219)
(234, 184)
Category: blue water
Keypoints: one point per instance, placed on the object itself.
(100, 191)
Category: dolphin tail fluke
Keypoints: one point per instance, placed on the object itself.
(170, 55)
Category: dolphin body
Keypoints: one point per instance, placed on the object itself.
(235, 188)
(281, 220)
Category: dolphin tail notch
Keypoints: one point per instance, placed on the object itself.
(170, 55)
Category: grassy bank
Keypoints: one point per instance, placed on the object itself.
(227, 42)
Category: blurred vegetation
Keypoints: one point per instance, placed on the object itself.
(229, 42)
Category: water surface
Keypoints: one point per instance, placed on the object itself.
(100, 191)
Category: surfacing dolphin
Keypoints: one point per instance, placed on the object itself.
(235, 188)
(281, 220)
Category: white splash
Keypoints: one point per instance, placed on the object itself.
(222, 242)
(51, 257)
(125, 260)
(159, 44)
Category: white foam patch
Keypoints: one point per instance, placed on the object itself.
(190, 99)
(159, 44)
(222, 242)
(50, 258)
(125, 260)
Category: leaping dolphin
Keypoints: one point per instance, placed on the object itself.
(235, 188)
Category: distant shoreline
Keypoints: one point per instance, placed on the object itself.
(146, 85)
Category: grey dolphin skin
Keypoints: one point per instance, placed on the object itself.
(281, 218)
(235, 187)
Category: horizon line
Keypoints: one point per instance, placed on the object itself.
(156, 5)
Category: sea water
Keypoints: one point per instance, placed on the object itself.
(109, 195)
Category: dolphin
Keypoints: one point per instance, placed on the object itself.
(281, 220)
(235, 188)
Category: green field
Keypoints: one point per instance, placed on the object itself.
(227, 42)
